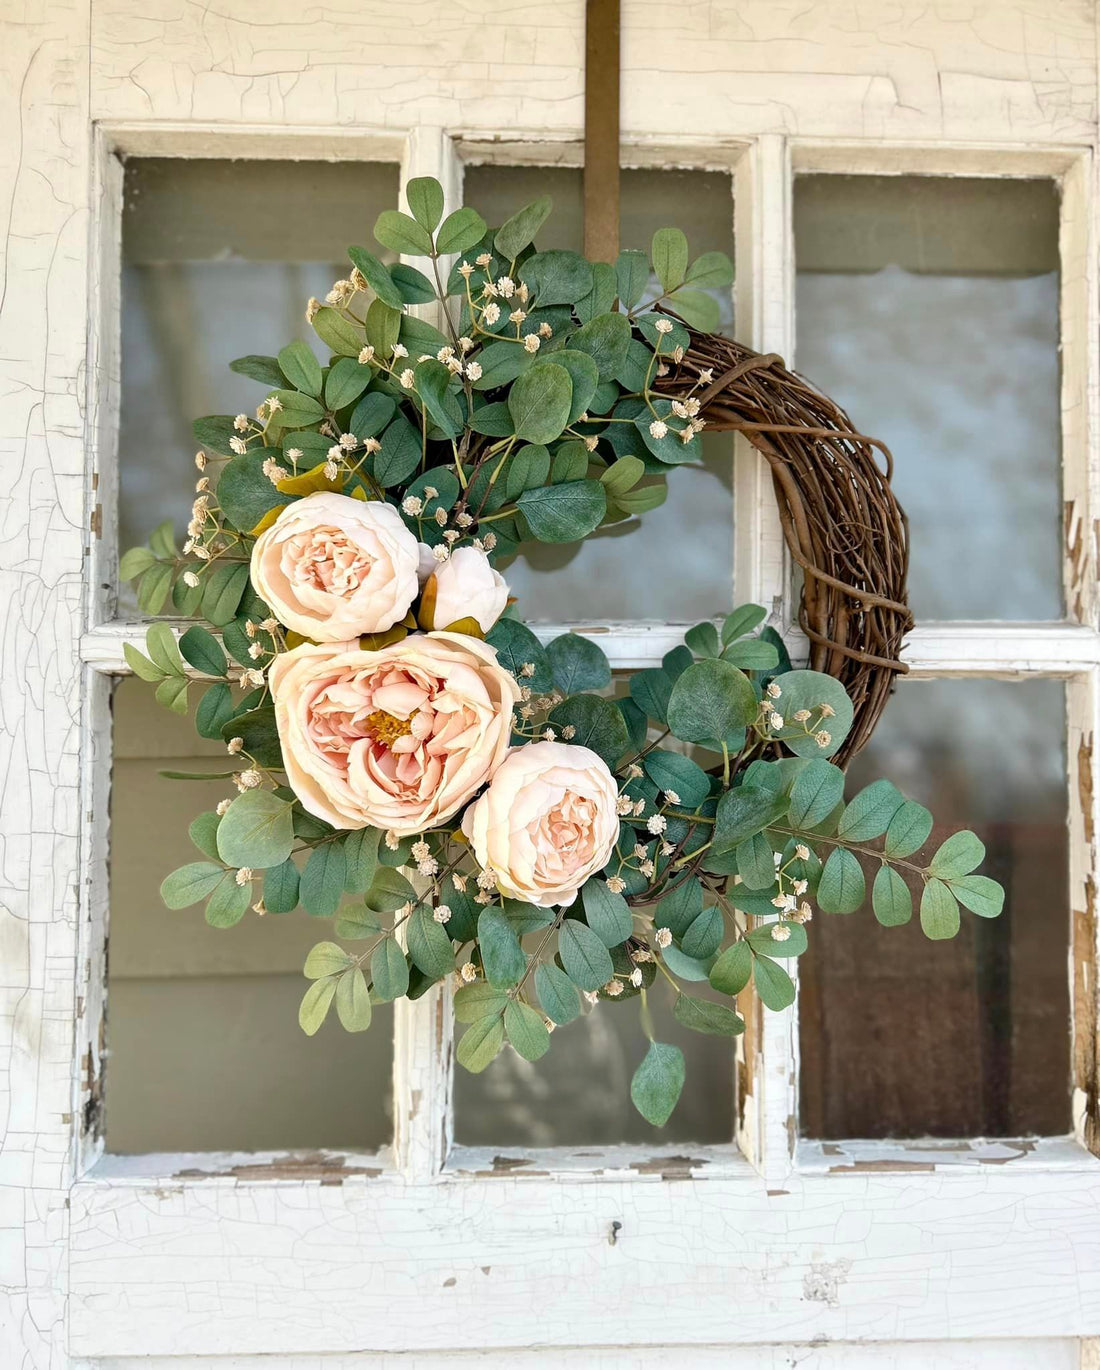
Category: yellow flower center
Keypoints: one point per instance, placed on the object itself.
(385, 728)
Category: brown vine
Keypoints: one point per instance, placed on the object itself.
(840, 518)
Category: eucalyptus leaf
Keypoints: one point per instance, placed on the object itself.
(657, 1083)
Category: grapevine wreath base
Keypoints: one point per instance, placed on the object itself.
(466, 803)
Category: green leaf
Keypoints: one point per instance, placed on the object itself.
(399, 455)
(153, 588)
(743, 812)
(192, 883)
(371, 414)
(479, 1000)
(622, 475)
(356, 921)
(710, 271)
(425, 198)
(774, 986)
(684, 966)
(890, 898)
(412, 285)
(597, 724)
(517, 232)
(608, 913)
(809, 690)
(870, 812)
(361, 859)
(256, 830)
(817, 790)
(756, 862)
(337, 333)
(556, 277)
(501, 953)
(215, 432)
(203, 651)
(259, 732)
(842, 887)
(528, 468)
(526, 1030)
(704, 937)
(345, 383)
(584, 377)
(322, 886)
(281, 887)
(203, 832)
(222, 592)
(134, 562)
(743, 620)
(140, 664)
(586, 960)
(655, 1088)
(298, 410)
(908, 830)
(563, 513)
(751, 654)
(703, 639)
(245, 493)
(696, 308)
(402, 234)
(601, 298)
(382, 327)
(326, 958)
(959, 855)
(712, 702)
(160, 643)
(389, 892)
(670, 257)
(763, 939)
(577, 663)
(315, 1005)
(301, 368)
(632, 272)
(557, 994)
(429, 945)
(353, 1001)
(480, 1043)
(606, 339)
(678, 909)
(493, 420)
(377, 277)
(229, 903)
(730, 973)
(979, 894)
(389, 971)
(539, 402)
(266, 370)
(699, 1015)
(432, 381)
(516, 647)
(679, 774)
(172, 694)
(651, 691)
(939, 911)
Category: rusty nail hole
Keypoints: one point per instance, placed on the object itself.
(613, 1235)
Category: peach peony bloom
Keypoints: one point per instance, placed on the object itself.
(332, 567)
(465, 586)
(546, 823)
(398, 738)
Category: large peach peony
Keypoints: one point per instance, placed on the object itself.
(546, 823)
(398, 738)
(332, 567)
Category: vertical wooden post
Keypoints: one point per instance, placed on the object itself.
(601, 130)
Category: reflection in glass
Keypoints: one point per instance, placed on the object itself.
(205, 1051)
(218, 261)
(578, 1094)
(685, 547)
(902, 1037)
(929, 309)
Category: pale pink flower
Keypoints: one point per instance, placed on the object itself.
(332, 567)
(398, 738)
(463, 586)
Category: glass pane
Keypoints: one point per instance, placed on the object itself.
(928, 308)
(218, 261)
(579, 1093)
(902, 1037)
(205, 1051)
(686, 545)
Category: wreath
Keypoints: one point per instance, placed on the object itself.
(410, 761)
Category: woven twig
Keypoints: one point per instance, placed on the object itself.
(841, 520)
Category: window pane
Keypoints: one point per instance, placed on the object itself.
(579, 1093)
(928, 308)
(902, 1037)
(205, 1051)
(686, 546)
(218, 261)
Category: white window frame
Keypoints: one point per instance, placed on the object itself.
(427, 1247)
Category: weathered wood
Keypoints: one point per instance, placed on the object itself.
(601, 130)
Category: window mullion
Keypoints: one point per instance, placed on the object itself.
(768, 1085)
(423, 1069)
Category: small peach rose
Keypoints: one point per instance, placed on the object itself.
(464, 586)
(546, 823)
(399, 738)
(332, 567)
